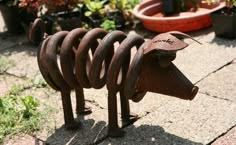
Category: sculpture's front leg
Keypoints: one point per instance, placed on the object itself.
(113, 128)
(70, 122)
(126, 116)
(81, 108)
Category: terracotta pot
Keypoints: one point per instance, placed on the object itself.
(150, 13)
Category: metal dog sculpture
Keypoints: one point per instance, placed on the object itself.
(151, 69)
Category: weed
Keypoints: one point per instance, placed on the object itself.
(5, 63)
(19, 114)
(16, 89)
(39, 83)
(108, 25)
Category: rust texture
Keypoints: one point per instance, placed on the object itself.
(89, 59)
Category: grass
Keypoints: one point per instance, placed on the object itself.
(39, 83)
(5, 63)
(19, 114)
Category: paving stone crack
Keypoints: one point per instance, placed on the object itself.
(38, 140)
(221, 135)
(93, 102)
(225, 65)
(217, 97)
(13, 75)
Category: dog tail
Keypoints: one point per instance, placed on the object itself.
(37, 31)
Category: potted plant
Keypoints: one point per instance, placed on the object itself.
(65, 13)
(121, 11)
(224, 20)
(95, 12)
(11, 15)
(185, 16)
(170, 7)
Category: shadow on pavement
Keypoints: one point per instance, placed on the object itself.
(222, 41)
(149, 135)
(86, 134)
(92, 133)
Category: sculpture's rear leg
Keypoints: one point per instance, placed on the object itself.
(70, 122)
(81, 108)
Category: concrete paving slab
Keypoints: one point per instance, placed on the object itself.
(24, 60)
(5, 63)
(228, 139)
(6, 82)
(7, 41)
(22, 139)
(182, 123)
(198, 61)
(93, 128)
(221, 84)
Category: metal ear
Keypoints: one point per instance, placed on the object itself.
(181, 35)
(165, 42)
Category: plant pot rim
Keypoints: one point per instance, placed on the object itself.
(141, 8)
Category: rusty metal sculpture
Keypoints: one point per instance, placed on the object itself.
(151, 69)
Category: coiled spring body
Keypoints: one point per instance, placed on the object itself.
(88, 59)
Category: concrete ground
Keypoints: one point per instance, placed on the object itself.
(208, 119)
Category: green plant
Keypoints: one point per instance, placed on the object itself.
(182, 4)
(94, 8)
(5, 63)
(19, 114)
(108, 25)
(230, 5)
(48, 6)
(16, 89)
(125, 7)
(39, 83)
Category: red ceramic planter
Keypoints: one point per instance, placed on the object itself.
(150, 13)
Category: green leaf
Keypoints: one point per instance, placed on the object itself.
(108, 25)
(88, 13)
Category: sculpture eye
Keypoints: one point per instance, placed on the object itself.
(169, 55)
(164, 57)
(172, 55)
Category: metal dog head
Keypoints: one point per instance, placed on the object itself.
(152, 69)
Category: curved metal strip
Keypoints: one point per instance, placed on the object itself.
(120, 60)
(181, 34)
(165, 42)
(82, 60)
(104, 52)
(51, 58)
(67, 56)
(42, 66)
(133, 75)
(37, 30)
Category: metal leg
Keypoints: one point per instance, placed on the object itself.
(81, 108)
(70, 122)
(127, 117)
(113, 128)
